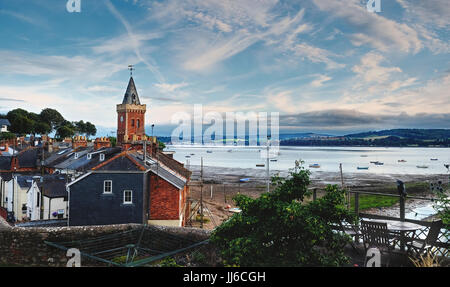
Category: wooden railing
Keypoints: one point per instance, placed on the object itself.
(442, 244)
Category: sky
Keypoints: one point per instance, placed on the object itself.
(326, 66)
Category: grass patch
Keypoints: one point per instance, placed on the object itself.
(367, 201)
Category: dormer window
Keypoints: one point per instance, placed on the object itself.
(89, 156)
(102, 157)
(77, 155)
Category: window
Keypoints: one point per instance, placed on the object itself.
(89, 156)
(107, 186)
(102, 157)
(127, 196)
(132, 123)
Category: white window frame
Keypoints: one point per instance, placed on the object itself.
(89, 156)
(124, 193)
(102, 157)
(104, 187)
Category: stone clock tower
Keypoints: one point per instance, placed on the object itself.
(131, 116)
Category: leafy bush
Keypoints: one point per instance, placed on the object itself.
(279, 229)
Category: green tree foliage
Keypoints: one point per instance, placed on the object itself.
(21, 124)
(113, 141)
(24, 122)
(52, 117)
(279, 229)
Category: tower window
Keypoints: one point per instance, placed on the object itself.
(132, 123)
(138, 123)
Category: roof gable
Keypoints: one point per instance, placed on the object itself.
(121, 162)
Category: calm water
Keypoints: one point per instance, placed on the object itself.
(327, 157)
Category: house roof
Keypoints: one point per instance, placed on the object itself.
(131, 95)
(4, 122)
(25, 181)
(6, 176)
(67, 159)
(5, 162)
(53, 186)
(28, 157)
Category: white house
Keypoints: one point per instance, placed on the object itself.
(4, 124)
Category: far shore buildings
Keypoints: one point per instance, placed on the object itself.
(93, 183)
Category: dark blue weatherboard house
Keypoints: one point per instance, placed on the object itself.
(113, 194)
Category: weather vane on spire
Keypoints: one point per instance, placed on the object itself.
(131, 68)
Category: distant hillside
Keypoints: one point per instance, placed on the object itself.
(384, 138)
(419, 134)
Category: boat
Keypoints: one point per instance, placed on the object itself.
(230, 150)
(422, 166)
(373, 162)
(273, 160)
(315, 165)
(362, 167)
(192, 153)
(188, 156)
(260, 165)
(209, 151)
(364, 155)
(433, 159)
(379, 163)
(401, 160)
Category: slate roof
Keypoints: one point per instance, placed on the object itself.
(68, 161)
(25, 181)
(5, 162)
(4, 122)
(160, 169)
(28, 157)
(54, 186)
(6, 176)
(131, 95)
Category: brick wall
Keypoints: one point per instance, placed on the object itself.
(164, 200)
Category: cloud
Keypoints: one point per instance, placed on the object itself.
(135, 43)
(370, 69)
(374, 30)
(432, 12)
(320, 79)
(340, 119)
(165, 88)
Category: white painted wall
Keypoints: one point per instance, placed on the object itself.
(54, 205)
(33, 202)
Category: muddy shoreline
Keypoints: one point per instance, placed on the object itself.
(225, 182)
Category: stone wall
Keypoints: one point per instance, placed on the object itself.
(26, 247)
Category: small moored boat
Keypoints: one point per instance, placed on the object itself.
(422, 166)
(363, 167)
(315, 165)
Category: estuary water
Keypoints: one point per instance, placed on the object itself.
(395, 160)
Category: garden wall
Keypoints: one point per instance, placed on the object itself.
(26, 247)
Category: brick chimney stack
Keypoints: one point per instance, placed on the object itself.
(79, 141)
(102, 142)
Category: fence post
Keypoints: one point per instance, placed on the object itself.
(402, 208)
(357, 203)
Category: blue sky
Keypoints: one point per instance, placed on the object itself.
(325, 65)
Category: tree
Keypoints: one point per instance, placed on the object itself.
(91, 130)
(279, 229)
(65, 132)
(52, 117)
(20, 122)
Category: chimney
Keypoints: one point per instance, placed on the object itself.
(101, 142)
(79, 142)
